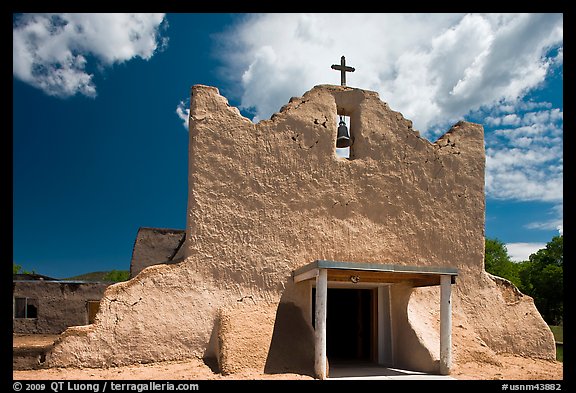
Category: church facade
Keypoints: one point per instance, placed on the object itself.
(294, 257)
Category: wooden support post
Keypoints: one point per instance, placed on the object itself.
(445, 324)
(320, 324)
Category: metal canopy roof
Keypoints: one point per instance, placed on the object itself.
(417, 276)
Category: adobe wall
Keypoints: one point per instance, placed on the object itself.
(60, 304)
(153, 246)
(268, 198)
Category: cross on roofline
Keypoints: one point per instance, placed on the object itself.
(343, 68)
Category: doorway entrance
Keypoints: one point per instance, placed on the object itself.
(380, 280)
(351, 325)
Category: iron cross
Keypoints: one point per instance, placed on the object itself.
(343, 69)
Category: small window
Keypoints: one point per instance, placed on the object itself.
(25, 307)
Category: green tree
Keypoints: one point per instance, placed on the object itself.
(117, 275)
(497, 261)
(17, 269)
(542, 278)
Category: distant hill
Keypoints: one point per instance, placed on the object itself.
(111, 275)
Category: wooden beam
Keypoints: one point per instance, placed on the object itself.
(415, 279)
(307, 275)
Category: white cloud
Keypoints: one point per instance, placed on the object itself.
(511, 119)
(555, 223)
(434, 68)
(51, 51)
(547, 225)
(524, 158)
(183, 112)
(519, 252)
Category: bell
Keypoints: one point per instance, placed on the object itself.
(343, 138)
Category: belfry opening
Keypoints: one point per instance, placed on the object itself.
(344, 138)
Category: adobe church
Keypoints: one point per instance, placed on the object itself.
(295, 258)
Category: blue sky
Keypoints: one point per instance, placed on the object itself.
(100, 107)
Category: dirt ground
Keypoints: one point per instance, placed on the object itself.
(511, 367)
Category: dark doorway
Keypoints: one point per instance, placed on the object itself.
(350, 324)
(92, 307)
